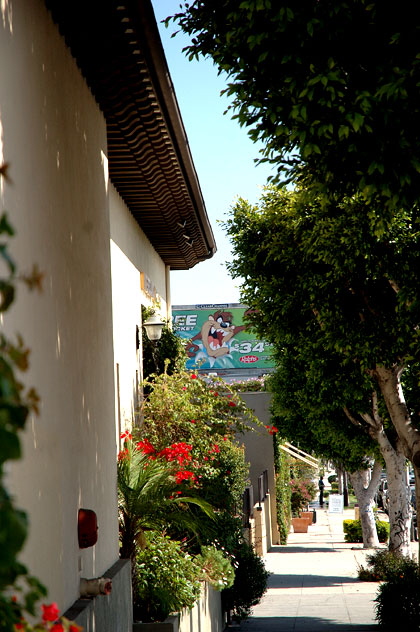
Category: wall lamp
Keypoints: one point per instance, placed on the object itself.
(153, 326)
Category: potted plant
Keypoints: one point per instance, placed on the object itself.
(303, 491)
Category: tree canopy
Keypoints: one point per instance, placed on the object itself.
(331, 86)
(319, 272)
(321, 269)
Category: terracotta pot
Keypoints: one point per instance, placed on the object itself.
(307, 514)
(300, 525)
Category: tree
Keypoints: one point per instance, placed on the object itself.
(313, 396)
(331, 86)
(322, 271)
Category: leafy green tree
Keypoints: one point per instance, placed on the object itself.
(331, 86)
(324, 406)
(319, 272)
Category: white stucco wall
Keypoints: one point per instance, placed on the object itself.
(259, 452)
(54, 137)
(132, 255)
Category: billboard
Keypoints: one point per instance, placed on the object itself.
(218, 340)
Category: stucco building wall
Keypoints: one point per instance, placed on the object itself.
(259, 452)
(54, 137)
(138, 278)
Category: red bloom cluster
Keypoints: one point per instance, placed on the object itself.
(145, 447)
(180, 452)
(184, 475)
(231, 403)
(126, 435)
(272, 429)
(50, 612)
(123, 454)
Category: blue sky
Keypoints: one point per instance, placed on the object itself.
(223, 156)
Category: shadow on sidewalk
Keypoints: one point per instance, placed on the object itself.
(309, 581)
(309, 624)
(291, 548)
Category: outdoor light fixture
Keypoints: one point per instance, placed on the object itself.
(153, 326)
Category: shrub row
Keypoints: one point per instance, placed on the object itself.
(353, 530)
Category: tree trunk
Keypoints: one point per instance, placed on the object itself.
(400, 511)
(365, 484)
(345, 489)
(340, 480)
(389, 382)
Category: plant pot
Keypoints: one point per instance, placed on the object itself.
(300, 525)
(308, 515)
(171, 624)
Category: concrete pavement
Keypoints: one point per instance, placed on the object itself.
(314, 585)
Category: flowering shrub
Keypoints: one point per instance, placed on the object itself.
(303, 491)
(185, 407)
(154, 494)
(186, 453)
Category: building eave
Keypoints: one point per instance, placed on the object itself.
(118, 50)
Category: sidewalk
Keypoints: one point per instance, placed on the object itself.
(314, 585)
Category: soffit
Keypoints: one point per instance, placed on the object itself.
(118, 50)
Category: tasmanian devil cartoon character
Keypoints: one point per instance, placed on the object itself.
(215, 334)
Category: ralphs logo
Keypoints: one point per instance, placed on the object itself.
(248, 359)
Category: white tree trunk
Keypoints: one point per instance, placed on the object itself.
(400, 511)
(389, 382)
(365, 484)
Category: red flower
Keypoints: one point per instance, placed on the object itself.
(50, 613)
(192, 421)
(177, 452)
(75, 628)
(272, 429)
(58, 627)
(184, 475)
(145, 447)
(193, 376)
(231, 404)
(123, 455)
(126, 435)
(215, 448)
